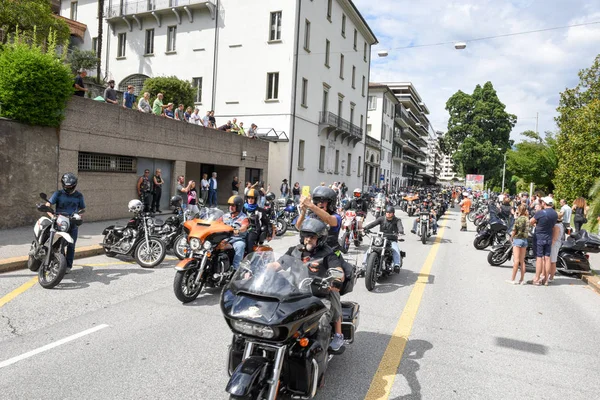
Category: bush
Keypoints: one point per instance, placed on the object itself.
(175, 90)
(35, 85)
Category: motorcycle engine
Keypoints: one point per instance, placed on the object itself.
(127, 241)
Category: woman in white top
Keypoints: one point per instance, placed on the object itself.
(144, 104)
(203, 184)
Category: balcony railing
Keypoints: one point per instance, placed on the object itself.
(148, 6)
(372, 142)
(341, 125)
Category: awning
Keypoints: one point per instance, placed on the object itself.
(76, 28)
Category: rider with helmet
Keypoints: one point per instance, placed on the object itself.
(426, 206)
(239, 221)
(258, 219)
(358, 204)
(68, 201)
(322, 206)
(391, 226)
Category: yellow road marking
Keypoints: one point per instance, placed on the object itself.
(382, 382)
(18, 291)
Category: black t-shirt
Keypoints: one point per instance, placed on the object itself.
(296, 191)
(234, 185)
(79, 81)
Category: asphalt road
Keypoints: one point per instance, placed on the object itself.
(473, 336)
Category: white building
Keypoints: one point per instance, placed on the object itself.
(380, 126)
(298, 69)
(447, 173)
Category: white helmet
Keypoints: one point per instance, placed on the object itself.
(135, 206)
(357, 193)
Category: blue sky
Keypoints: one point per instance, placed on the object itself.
(528, 71)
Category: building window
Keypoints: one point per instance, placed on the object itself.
(359, 163)
(364, 83)
(355, 40)
(74, 10)
(322, 159)
(337, 162)
(275, 31)
(352, 113)
(365, 52)
(349, 170)
(121, 45)
(353, 77)
(301, 154)
(329, 7)
(106, 163)
(361, 121)
(342, 66)
(325, 106)
(151, 5)
(272, 85)
(327, 48)
(304, 92)
(171, 38)
(372, 103)
(149, 41)
(95, 45)
(343, 25)
(307, 35)
(197, 85)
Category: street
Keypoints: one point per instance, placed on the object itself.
(471, 335)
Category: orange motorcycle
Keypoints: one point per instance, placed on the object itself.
(209, 256)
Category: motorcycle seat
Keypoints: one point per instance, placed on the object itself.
(119, 228)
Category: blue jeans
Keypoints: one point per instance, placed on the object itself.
(212, 198)
(395, 254)
(71, 247)
(239, 246)
(433, 224)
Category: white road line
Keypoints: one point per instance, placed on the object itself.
(52, 345)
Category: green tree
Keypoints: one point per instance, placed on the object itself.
(85, 59)
(594, 210)
(175, 90)
(534, 160)
(35, 84)
(32, 15)
(478, 126)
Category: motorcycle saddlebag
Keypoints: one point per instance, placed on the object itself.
(349, 277)
(350, 319)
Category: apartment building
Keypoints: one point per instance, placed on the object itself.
(297, 69)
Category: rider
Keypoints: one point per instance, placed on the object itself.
(68, 201)
(358, 204)
(426, 206)
(239, 221)
(313, 246)
(391, 226)
(259, 220)
(323, 206)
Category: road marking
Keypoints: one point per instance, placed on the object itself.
(382, 382)
(118, 263)
(18, 291)
(50, 346)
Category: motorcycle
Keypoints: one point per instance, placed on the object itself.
(350, 228)
(279, 225)
(495, 233)
(378, 205)
(171, 232)
(135, 239)
(379, 259)
(424, 227)
(211, 256)
(281, 332)
(51, 237)
(287, 216)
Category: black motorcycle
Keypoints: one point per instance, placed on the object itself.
(281, 329)
(171, 232)
(379, 259)
(48, 249)
(493, 234)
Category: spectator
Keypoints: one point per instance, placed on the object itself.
(565, 214)
(252, 131)
(247, 188)
(558, 233)
(241, 130)
(204, 187)
(195, 118)
(544, 221)
(235, 186)
(110, 94)
(206, 120)
(158, 106)
(144, 189)
(179, 113)
(212, 190)
(234, 126)
(182, 190)
(144, 103)
(296, 192)
(580, 208)
(284, 188)
(187, 114)
(226, 127)
(519, 237)
(193, 199)
(169, 111)
(79, 85)
(158, 183)
(129, 97)
(212, 122)
(344, 189)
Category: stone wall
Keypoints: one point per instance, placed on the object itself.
(29, 165)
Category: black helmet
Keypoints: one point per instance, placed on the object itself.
(175, 201)
(314, 227)
(69, 182)
(390, 209)
(270, 196)
(325, 193)
(236, 201)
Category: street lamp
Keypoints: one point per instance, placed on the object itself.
(460, 45)
(503, 169)
(382, 53)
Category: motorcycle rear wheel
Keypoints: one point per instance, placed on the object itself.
(184, 287)
(33, 263)
(149, 255)
(371, 271)
(51, 274)
(281, 226)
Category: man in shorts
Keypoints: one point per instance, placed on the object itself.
(544, 220)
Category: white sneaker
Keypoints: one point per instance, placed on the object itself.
(337, 342)
(512, 282)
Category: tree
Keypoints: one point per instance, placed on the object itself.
(478, 126)
(175, 90)
(85, 59)
(534, 160)
(32, 15)
(594, 211)
(100, 37)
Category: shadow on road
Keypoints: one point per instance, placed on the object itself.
(522, 346)
(82, 278)
(209, 297)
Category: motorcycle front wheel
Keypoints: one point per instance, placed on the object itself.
(151, 253)
(497, 257)
(423, 235)
(471, 216)
(280, 226)
(371, 271)
(184, 285)
(345, 245)
(481, 242)
(179, 246)
(52, 273)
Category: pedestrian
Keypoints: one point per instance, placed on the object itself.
(182, 190)
(192, 198)
(206, 120)
(144, 189)
(158, 183)
(296, 192)
(212, 190)
(169, 111)
(226, 127)
(204, 188)
(212, 122)
(187, 114)
(235, 186)
(79, 86)
(179, 113)
(284, 189)
(110, 94)
(195, 118)
(519, 237)
(234, 126)
(241, 130)
(144, 104)
(565, 214)
(247, 188)
(129, 97)
(544, 221)
(580, 209)
(252, 131)
(465, 209)
(558, 233)
(158, 106)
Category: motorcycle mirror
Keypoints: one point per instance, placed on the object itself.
(81, 211)
(43, 196)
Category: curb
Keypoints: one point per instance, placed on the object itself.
(593, 281)
(16, 263)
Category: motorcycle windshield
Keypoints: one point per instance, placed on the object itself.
(210, 214)
(265, 274)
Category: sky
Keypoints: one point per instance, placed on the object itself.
(527, 71)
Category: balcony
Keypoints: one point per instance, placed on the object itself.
(369, 141)
(339, 127)
(139, 10)
(401, 116)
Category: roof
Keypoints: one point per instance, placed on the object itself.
(76, 28)
(364, 22)
(385, 88)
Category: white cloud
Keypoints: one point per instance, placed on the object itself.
(528, 71)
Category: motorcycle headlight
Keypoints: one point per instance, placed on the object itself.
(253, 329)
(378, 241)
(195, 244)
(207, 245)
(423, 217)
(63, 226)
